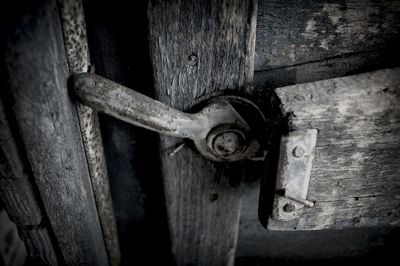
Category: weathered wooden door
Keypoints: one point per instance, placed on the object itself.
(87, 188)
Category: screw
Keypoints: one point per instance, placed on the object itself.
(177, 148)
(298, 151)
(289, 207)
(192, 60)
(228, 143)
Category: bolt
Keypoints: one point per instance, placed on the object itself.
(192, 60)
(298, 151)
(228, 143)
(289, 207)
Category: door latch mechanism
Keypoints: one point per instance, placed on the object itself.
(227, 128)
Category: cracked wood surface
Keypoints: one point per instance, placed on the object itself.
(198, 48)
(355, 176)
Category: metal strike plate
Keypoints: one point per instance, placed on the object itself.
(297, 151)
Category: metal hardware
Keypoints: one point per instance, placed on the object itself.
(227, 128)
(297, 152)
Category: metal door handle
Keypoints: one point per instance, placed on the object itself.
(227, 128)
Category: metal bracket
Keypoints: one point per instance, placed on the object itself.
(297, 151)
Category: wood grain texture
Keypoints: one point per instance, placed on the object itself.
(295, 32)
(11, 165)
(326, 68)
(198, 48)
(19, 197)
(16, 190)
(306, 41)
(46, 118)
(76, 45)
(20, 201)
(12, 249)
(303, 246)
(38, 245)
(355, 176)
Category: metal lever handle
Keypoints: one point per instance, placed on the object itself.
(219, 132)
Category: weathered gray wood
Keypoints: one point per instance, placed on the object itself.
(11, 165)
(38, 245)
(257, 242)
(19, 197)
(12, 249)
(76, 45)
(295, 32)
(355, 176)
(305, 41)
(20, 201)
(46, 118)
(16, 190)
(327, 68)
(197, 48)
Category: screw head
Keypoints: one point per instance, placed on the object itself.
(228, 143)
(289, 207)
(192, 60)
(298, 151)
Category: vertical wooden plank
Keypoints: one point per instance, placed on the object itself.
(16, 191)
(38, 244)
(19, 197)
(12, 249)
(46, 118)
(76, 44)
(199, 48)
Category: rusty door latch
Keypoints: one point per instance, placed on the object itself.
(227, 128)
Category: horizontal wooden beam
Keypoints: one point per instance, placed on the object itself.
(290, 33)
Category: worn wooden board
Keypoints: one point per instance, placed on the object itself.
(305, 41)
(77, 53)
(36, 71)
(19, 196)
(326, 68)
(198, 48)
(268, 246)
(38, 245)
(295, 32)
(16, 190)
(355, 176)
(12, 249)
(19, 199)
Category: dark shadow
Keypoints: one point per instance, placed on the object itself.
(118, 41)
